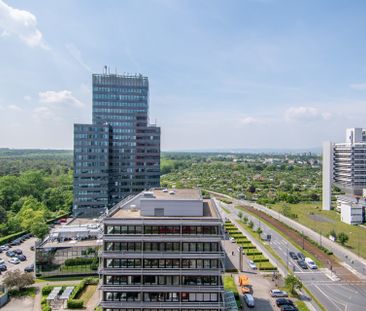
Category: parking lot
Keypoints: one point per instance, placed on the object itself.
(25, 247)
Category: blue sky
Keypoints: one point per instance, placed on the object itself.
(223, 74)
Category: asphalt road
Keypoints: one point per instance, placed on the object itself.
(25, 247)
(333, 294)
(352, 262)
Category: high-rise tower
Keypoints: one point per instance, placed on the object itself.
(119, 153)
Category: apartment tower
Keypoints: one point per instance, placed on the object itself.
(119, 153)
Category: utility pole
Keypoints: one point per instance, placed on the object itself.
(287, 254)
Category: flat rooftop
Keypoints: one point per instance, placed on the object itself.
(209, 211)
(176, 194)
(72, 243)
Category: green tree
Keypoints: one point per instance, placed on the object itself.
(39, 229)
(2, 215)
(18, 280)
(343, 238)
(333, 234)
(250, 224)
(245, 219)
(240, 215)
(293, 283)
(259, 230)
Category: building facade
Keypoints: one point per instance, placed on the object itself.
(119, 153)
(344, 165)
(162, 251)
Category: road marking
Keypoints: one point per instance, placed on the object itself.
(332, 300)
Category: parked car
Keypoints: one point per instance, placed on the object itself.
(18, 251)
(14, 260)
(10, 254)
(29, 268)
(311, 264)
(3, 268)
(5, 247)
(301, 256)
(302, 264)
(21, 257)
(15, 242)
(283, 301)
(2, 261)
(252, 265)
(293, 255)
(278, 293)
(288, 308)
(249, 300)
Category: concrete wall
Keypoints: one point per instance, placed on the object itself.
(327, 174)
(172, 207)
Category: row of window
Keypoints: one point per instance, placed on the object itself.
(101, 103)
(118, 110)
(94, 128)
(119, 89)
(91, 136)
(119, 96)
(91, 150)
(162, 280)
(185, 230)
(162, 297)
(163, 263)
(161, 247)
(90, 143)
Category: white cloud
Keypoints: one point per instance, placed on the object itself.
(303, 113)
(20, 23)
(59, 98)
(43, 113)
(358, 86)
(251, 120)
(14, 108)
(27, 98)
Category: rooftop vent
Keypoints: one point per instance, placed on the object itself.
(148, 194)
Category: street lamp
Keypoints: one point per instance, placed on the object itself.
(287, 255)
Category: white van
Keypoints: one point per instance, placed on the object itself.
(311, 264)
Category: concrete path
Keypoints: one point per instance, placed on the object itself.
(20, 304)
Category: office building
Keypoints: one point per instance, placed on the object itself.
(119, 153)
(344, 165)
(162, 251)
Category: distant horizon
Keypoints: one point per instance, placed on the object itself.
(213, 150)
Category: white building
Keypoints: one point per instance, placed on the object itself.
(344, 165)
(352, 209)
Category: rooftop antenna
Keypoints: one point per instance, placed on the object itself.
(105, 69)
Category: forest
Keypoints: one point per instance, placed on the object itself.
(35, 187)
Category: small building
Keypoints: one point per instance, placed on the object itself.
(352, 209)
(70, 249)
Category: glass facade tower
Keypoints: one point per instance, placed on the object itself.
(119, 153)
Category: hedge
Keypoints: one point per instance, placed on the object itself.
(11, 237)
(78, 261)
(46, 290)
(75, 304)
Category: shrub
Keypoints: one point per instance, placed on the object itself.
(46, 290)
(75, 304)
(78, 261)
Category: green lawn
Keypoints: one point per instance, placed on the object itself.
(59, 278)
(87, 293)
(229, 285)
(301, 306)
(27, 291)
(307, 214)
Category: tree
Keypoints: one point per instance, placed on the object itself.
(39, 229)
(250, 224)
(333, 234)
(343, 238)
(2, 215)
(292, 283)
(240, 215)
(259, 230)
(18, 280)
(245, 219)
